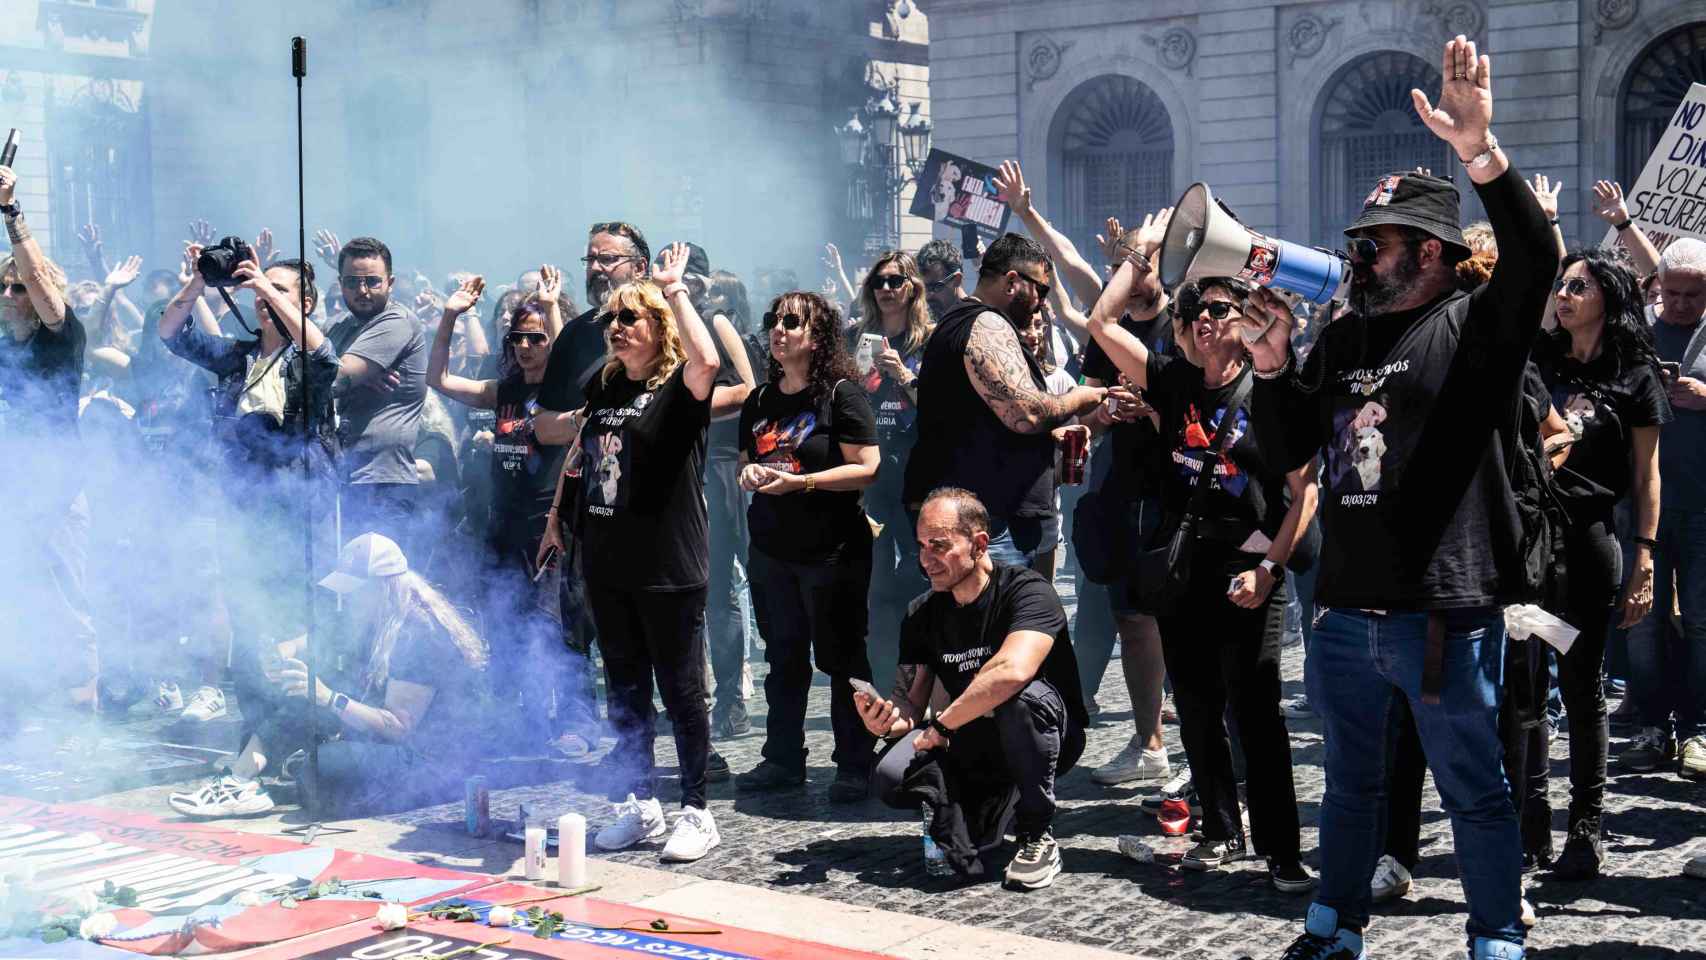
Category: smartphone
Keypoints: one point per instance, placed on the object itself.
(550, 559)
(864, 687)
(1671, 371)
(968, 241)
(1232, 588)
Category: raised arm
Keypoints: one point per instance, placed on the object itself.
(549, 294)
(995, 362)
(178, 308)
(1609, 206)
(1070, 316)
(482, 394)
(1126, 351)
(33, 267)
(1073, 268)
(702, 361)
(299, 331)
(727, 399)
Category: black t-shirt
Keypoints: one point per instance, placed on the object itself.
(39, 381)
(1245, 493)
(791, 433)
(1135, 448)
(642, 521)
(722, 439)
(524, 471)
(896, 417)
(962, 443)
(1602, 401)
(576, 357)
(425, 655)
(954, 642)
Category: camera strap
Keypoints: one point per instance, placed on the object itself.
(225, 293)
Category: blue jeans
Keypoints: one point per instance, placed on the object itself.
(1358, 665)
(1667, 672)
(1021, 541)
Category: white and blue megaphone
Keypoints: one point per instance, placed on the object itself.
(1204, 239)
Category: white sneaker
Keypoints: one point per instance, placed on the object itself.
(1528, 916)
(1175, 789)
(1133, 762)
(636, 822)
(1297, 709)
(1695, 868)
(224, 796)
(169, 699)
(1391, 880)
(207, 703)
(695, 835)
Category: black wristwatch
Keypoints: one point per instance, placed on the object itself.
(1274, 570)
(10, 210)
(941, 728)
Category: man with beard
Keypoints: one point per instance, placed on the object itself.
(616, 253)
(986, 421)
(44, 518)
(1415, 567)
(381, 393)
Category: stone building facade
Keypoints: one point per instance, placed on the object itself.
(1292, 110)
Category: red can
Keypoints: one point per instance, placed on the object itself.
(1074, 455)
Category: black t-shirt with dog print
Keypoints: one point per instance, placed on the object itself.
(787, 433)
(642, 474)
(1602, 401)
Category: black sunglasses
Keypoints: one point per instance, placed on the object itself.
(1219, 309)
(789, 321)
(889, 281)
(938, 285)
(17, 289)
(526, 336)
(1042, 288)
(1574, 286)
(626, 317)
(1364, 249)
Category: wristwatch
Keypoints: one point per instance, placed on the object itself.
(1274, 570)
(1483, 158)
(340, 702)
(941, 728)
(10, 209)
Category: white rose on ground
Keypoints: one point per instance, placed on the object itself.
(249, 898)
(500, 916)
(86, 900)
(97, 926)
(393, 916)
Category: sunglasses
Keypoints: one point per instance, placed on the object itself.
(626, 317)
(527, 336)
(939, 285)
(1574, 286)
(1219, 309)
(1042, 288)
(362, 283)
(889, 281)
(17, 289)
(1365, 249)
(608, 260)
(789, 321)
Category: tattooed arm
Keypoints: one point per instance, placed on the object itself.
(905, 712)
(996, 364)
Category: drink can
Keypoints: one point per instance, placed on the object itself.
(1074, 454)
(476, 806)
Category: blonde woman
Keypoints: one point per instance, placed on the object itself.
(412, 685)
(894, 308)
(639, 523)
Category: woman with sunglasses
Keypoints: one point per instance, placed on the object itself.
(523, 618)
(808, 446)
(639, 524)
(1604, 378)
(893, 306)
(1221, 638)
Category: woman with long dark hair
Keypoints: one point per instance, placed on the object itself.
(808, 446)
(1604, 379)
(893, 309)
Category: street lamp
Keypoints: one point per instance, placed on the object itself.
(884, 152)
(852, 139)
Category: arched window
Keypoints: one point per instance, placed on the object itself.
(1655, 85)
(1368, 128)
(1116, 157)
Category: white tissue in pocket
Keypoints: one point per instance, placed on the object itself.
(1524, 620)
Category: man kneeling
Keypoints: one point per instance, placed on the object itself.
(996, 637)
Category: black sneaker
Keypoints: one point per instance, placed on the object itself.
(1289, 875)
(716, 768)
(1343, 945)
(1210, 854)
(1036, 864)
(1584, 853)
(769, 775)
(850, 786)
(730, 720)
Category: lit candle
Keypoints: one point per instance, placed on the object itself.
(571, 851)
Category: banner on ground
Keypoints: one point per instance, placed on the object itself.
(202, 889)
(956, 191)
(1668, 200)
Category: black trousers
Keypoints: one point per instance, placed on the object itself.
(725, 626)
(1596, 574)
(996, 770)
(812, 611)
(525, 634)
(643, 635)
(383, 508)
(1220, 655)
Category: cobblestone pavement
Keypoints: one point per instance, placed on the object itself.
(867, 855)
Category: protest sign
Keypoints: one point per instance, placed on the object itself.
(955, 191)
(1668, 200)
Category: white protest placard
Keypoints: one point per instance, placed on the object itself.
(1668, 200)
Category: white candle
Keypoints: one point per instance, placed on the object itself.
(534, 857)
(571, 851)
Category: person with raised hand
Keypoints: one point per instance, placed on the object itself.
(1412, 398)
(1608, 205)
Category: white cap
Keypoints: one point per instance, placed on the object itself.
(366, 557)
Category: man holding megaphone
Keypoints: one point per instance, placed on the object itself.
(1410, 399)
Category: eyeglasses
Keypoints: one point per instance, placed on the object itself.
(938, 285)
(1365, 249)
(17, 289)
(889, 281)
(1219, 309)
(1574, 286)
(528, 336)
(608, 260)
(1042, 288)
(789, 321)
(626, 317)
(362, 283)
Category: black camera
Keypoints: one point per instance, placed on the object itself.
(217, 262)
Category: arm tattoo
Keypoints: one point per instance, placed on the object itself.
(1002, 378)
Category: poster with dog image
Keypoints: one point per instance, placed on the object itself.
(955, 191)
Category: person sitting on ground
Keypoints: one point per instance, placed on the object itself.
(996, 636)
(412, 685)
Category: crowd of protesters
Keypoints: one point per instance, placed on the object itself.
(613, 489)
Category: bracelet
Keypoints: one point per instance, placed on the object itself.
(1274, 374)
(1626, 224)
(10, 209)
(1553, 221)
(1646, 541)
(811, 483)
(17, 230)
(674, 288)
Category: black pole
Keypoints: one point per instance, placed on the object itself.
(310, 787)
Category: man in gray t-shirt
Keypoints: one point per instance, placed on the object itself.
(380, 390)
